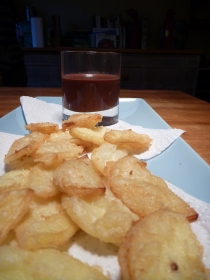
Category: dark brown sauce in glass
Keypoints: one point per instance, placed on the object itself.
(90, 92)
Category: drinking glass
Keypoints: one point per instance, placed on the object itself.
(91, 84)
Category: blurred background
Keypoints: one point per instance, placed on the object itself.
(143, 24)
(78, 14)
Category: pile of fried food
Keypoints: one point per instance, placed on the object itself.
(52, 189)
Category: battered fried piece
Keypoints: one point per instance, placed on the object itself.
(143, 192)
(24, 163)
(93, 135)
(13, 206)
(79, 177)
(65, 135)
(51, 152)
(129, 140)
(45, 225)
(24, 147)
(104, 217)
(40, 179)
(106, 152)
(14, 180)
(82, 120)
(44, 264)
(45, 127)
(162, 246)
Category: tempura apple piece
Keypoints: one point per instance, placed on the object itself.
(79, 177)
(94, 135)
(25, 162)
(161, 246)
(104, 217)
(16, 263)
(44, 127)
(82, 120)
(45, 225)
(61, 135)
(57, 151)
(40, 179)
(129, 140)
(13, 206)
(143, 192)
(14, 180)
(106, 152)
(24, 147)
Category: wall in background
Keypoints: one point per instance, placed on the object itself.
(78, 15)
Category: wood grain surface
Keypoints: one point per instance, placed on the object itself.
(178, 109)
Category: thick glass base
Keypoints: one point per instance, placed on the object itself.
(110, 116)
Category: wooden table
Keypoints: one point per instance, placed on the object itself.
(178, 109)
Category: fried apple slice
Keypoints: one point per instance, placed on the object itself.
(44, 264)
(24, 147)
(45, 225)
(13, 206)
(45, 127)
(129, 140)
(14, 180)
(106, 152)
(82, 120)
(143, 192)
(94, 135)
(65, 135)
(104, 217)
(79, 177)
(57, 151)
(161, 246)
(40, 179)
(60, 135)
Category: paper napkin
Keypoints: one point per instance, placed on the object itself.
(6, 140)
(36, 110)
